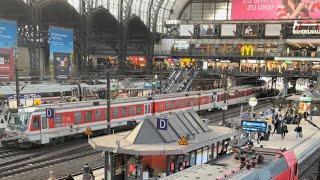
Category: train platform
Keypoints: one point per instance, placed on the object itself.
(217, 169)
(227, 164)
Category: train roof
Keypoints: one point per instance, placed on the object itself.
(228, 168)
(80, 104)
(8, 90)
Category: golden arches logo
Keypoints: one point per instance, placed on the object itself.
(247, 50)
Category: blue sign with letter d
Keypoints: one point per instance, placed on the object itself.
(162, 124)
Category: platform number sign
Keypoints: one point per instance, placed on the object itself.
(162, 123)
(50, 113)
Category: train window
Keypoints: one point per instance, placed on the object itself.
(131, 111)
(98, 115)
(115, 112)
(172, 105)
(167, 105)
(88, 116)
(295, 169)
(77, 117)
(139, 109)
(36, 122)
(58, 119)
(124, 111)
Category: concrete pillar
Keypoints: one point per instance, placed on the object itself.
(168, 165)
(285, 87)
(318, 82)
(108, 165)
(140, 168)
(125, 163)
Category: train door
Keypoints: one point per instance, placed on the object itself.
(44, 130)
(146, 109)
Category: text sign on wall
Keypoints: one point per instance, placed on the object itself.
(274, 9)
(247, 50)
(306, 28)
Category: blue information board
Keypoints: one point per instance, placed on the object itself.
(256, 126)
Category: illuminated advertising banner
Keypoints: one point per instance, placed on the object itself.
(61, 52)
(8, 41)
(275, 9)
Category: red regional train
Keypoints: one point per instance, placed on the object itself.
(285, 167)
(30, 125)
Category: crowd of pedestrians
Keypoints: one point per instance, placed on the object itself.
(282, 118)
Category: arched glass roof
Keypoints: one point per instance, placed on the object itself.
(145, 9)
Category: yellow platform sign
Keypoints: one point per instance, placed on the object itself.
(88, 132)
(183, 141)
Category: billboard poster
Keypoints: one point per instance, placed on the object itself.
(250, 30)
(186, 30)
(207, 30)
(275, 9)
(8, 42)
(61, 52)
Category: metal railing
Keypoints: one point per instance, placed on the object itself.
(262, 71)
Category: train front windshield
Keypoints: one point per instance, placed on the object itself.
(18, 121)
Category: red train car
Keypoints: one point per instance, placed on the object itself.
(284, 167)
(31, 124)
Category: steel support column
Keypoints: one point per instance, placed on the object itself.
(31, 36)
(152, 26)
(124, 15)
(85, 34)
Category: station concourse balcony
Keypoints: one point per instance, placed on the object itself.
(262, 72)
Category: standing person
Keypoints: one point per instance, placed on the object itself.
(298, 130)
(276, 126)
(87, 171)
(284, 130)
(259, 137)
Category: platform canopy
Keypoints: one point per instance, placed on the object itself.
(150, 139)
(309, 96)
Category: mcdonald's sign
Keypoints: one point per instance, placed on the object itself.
(247, 50)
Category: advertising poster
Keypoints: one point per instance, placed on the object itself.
(250, 30)
(8, 42)
(61, 52)
(207, 30)
(275, 9)
(186, 30)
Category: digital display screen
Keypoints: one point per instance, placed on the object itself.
(257, 126)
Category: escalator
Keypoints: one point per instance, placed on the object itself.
(190, 80)
(181, 80)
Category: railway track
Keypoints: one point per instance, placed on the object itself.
(45, 161)
(33, 159)
(16, 161)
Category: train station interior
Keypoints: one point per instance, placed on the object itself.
(159, 89)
